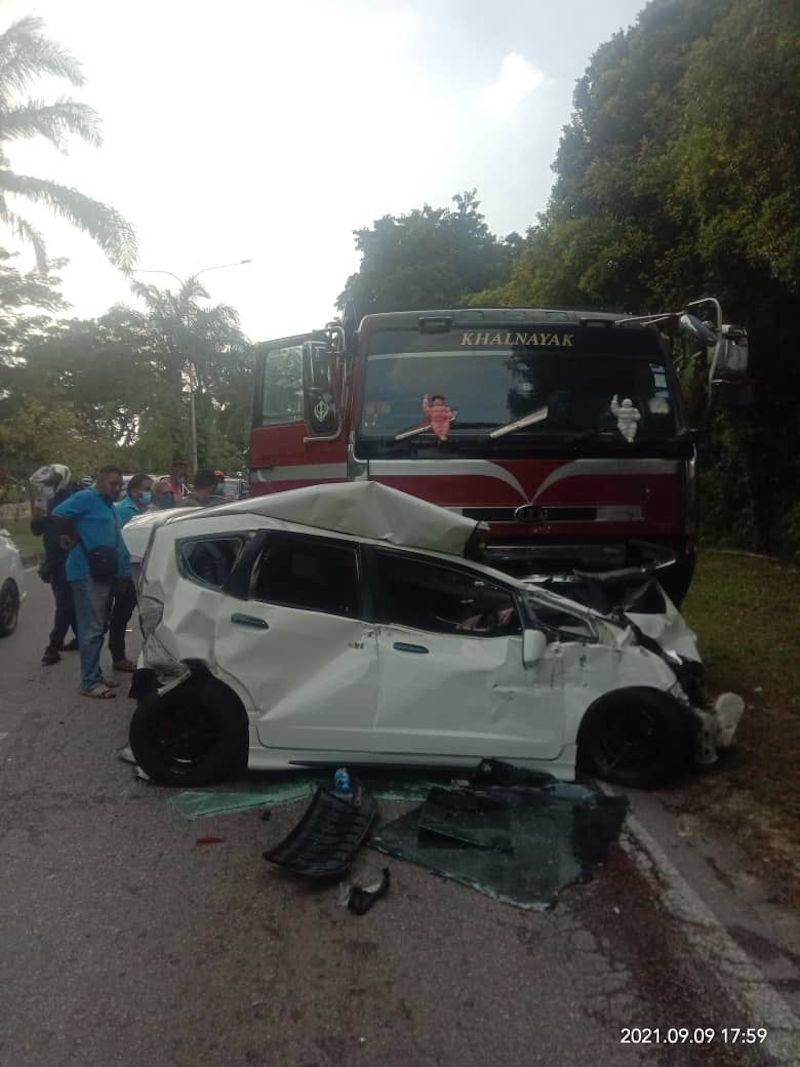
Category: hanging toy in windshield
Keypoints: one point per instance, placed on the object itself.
(627, 417)
(438, 414)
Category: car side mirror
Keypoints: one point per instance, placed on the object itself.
(534, 644)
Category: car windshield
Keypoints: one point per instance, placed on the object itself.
(463, 391)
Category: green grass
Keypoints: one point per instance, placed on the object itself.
(746, 611)
(20, 530)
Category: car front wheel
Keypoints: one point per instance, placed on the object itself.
(9, 607)
(636, 737)
(196, 734)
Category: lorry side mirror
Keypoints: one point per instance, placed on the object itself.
(319, 390)
(728, 379)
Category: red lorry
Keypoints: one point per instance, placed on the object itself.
(564, 430)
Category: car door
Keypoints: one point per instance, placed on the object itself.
(297, 644)
(452, 680)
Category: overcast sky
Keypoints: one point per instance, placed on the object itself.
(270, 131)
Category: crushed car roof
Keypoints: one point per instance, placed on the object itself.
(360, 509)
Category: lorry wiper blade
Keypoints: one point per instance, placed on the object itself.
(527, 420)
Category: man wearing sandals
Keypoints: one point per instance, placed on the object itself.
(90, 529)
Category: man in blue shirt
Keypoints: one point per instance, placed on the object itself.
(88, 521)
(136, 502)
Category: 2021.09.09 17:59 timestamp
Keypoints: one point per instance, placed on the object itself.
(687, 1035)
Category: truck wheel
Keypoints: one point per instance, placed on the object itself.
(636, 737)
(9, 607)
(196, 734)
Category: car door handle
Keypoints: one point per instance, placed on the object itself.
(402, 646)
(249, 620)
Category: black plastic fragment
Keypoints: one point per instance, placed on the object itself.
(361, 898)
(490, 772)
(326, 839)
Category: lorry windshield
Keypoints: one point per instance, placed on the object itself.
(469, 391)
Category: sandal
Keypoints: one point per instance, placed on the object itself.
(99, 692)
(125, 665)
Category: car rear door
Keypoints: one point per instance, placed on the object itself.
(296, 641)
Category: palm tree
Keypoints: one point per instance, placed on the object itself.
(26, 54)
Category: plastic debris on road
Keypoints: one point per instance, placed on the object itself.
(550, 836)
(323, 844)
(361, 898)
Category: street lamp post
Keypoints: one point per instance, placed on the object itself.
(192, 367)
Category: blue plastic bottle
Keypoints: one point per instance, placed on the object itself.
(341, 783)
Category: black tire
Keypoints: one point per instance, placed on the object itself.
(196, 734)
(9, 607)
(635, 737)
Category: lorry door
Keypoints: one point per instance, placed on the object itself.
(297, 437)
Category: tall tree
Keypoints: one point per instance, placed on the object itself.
(26, 56)
(678, 176)
(428, 258)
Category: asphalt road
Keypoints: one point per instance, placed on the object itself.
(124, 942)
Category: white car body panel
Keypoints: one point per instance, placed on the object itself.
(324, 688)
(466, 696)
(321, 687)
(11, 563)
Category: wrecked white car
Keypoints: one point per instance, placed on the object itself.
(11, 579)
(344, 624)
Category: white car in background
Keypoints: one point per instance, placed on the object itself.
(345, 624)
(11, 579)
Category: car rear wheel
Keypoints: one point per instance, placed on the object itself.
(9, 607)
(635, 737)
(196, 734)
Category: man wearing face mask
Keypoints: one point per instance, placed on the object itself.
(89, 528)
(138, 500)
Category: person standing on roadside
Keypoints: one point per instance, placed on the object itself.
(163, 496)
(138, 500)
(90, 530)
(204, 487)
(179, 473)
(49, 487)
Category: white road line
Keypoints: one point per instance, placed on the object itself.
(737, 972)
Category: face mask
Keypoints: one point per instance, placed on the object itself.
(145, 498)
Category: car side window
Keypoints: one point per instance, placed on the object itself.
(444, 600)
(209, 560)
(309, 573)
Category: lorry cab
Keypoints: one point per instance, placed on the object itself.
(563, 430)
